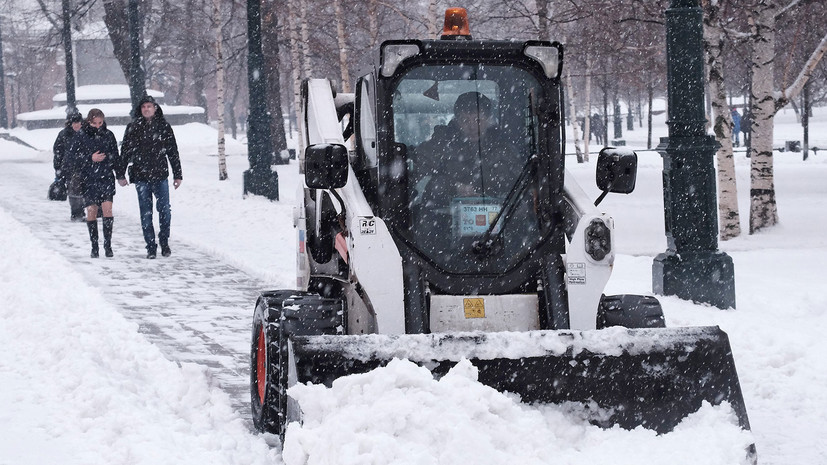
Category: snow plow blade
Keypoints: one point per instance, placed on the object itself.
(637, 377)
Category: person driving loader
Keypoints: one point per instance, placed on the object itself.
(464, 158)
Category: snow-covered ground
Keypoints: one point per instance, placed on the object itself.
(130, 361)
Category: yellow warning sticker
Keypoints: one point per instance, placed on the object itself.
(474, 307)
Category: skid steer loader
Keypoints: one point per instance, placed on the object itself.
(436, 222)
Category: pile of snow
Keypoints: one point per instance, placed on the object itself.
(80, 385)
(399, 414)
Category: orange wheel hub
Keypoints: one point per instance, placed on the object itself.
(261, 365)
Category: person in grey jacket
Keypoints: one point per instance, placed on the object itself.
(149, 149)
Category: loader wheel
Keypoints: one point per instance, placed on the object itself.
(279, 315)
(268, 363)
(630, 311)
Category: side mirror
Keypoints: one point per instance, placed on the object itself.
(325, 166)
(616, 171)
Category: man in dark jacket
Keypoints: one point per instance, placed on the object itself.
(62, 163)
(149, 146)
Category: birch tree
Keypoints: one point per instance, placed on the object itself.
(729, 222)
(219, 89)
(341, 39)
(432, 20)
(766, 103)
(575, 124)
(293, 31)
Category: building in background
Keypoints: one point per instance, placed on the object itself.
(100, 83)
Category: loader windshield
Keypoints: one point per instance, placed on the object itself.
(469, 131)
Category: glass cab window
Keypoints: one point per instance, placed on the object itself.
(470, 132)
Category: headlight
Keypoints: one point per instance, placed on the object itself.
(598, 239)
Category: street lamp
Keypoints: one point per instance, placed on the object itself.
(260, 179)
(692, 267)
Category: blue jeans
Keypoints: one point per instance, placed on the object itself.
(160, 189)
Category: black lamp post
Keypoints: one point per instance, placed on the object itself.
(692, 267)
(260, 179)
(137, 80)
(71, 103)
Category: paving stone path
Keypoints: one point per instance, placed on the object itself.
(192, 306)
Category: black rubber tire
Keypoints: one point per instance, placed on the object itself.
(268, 363)
(630, 311)
(279, 315)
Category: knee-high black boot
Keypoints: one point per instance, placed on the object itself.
(107, 235)
(93, 237)
(76, 207)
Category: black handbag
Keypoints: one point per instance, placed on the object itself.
(130, 174)
(57, 190)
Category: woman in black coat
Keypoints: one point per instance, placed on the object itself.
(94, 153)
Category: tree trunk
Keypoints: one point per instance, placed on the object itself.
(805, 121)
(295, 70)
(117, 25)
(587, 104)
(729, 221)
(270, 45)
(650, 91)
(787, 95)
(373, 23)
(182, 80)
(542, 18)
(575, 125)
(305, 35)
(219, 90)
(605, 111)
(199, 85)
(433, 20)
(763, 210)
(341, 40)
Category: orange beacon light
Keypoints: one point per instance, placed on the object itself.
(456, 24)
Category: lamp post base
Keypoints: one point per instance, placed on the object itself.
(264, 183)
(703, 277)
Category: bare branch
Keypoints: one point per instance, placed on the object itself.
(783, 97)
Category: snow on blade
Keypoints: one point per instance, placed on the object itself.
(399, 414)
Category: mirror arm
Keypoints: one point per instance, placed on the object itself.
(602, 196)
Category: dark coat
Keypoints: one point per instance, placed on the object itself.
(147, 145)
(452, 161)
(61, 162)
(98, 177)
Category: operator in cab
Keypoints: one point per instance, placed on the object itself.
(466, 157)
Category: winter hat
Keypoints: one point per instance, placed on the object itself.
(147, 99)
(472, 102)
(74, 117)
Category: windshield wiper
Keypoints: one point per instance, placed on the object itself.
(490, 243)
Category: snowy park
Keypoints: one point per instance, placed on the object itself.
(132, 361)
